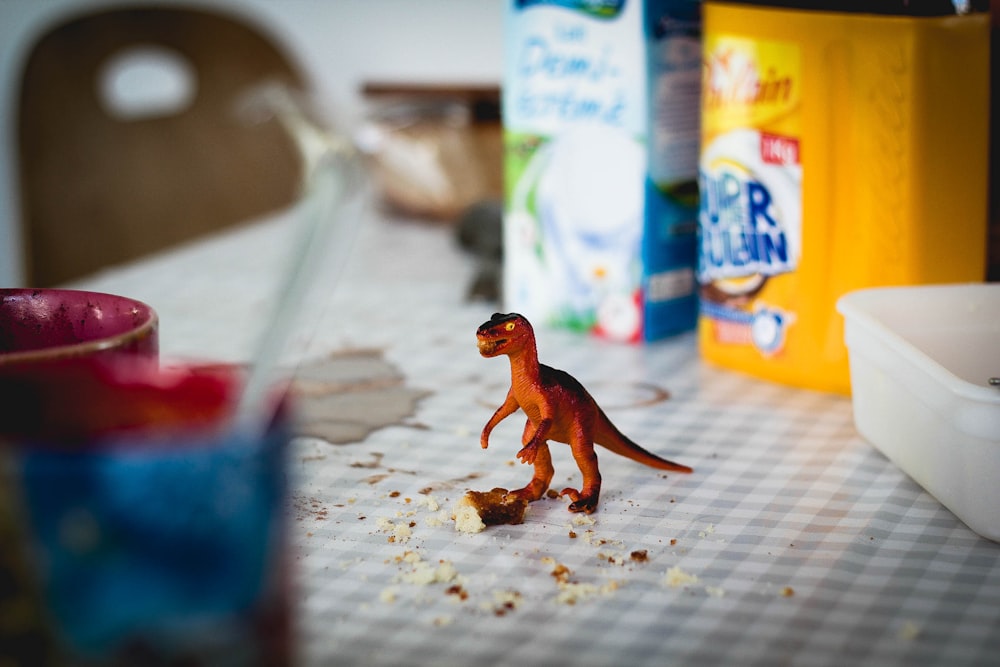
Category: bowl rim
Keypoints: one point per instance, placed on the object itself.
(83, 348)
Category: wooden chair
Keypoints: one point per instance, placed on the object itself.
(99, 188)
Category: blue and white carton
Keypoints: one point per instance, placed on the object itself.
(601, 138)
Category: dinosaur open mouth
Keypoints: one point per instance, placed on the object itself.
(487, 346)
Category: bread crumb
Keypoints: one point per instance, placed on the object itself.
(676, 577)
(436, 520)
(572, 592)
(423, 573)
(478, 509)
(430, 502)
(467, 519)
(441, 621)
(787, 592)
(591, 538)
(715, 591)
(388, 595)
(503, 602)
(400, 533)
(613, 558)
(561, 573)
(457, 592)
(583, 520)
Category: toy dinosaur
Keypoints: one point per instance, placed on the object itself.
(558, 408)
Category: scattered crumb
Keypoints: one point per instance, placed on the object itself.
(436, 520)
(409, 557)
(592, 539)
(424, 573)
(676, 577)
(572, 534)
(613, 558)
(561, 573)
(787, 592)
(388, 595)
(441, 621)
(715, 591)
(673, 541)
(583, 520)
(309, 507)
(639, 555)
(709, 529)
(400, 533)
(457, 592)
(572, 592)
(503, 602)
(430, 502)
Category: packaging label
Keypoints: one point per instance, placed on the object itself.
(574, 116)
(750, 176)
(579, 250)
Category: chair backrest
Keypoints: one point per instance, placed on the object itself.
(98, 187)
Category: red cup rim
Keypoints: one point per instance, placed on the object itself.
(81, 348)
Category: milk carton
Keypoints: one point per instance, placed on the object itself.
(601, 139)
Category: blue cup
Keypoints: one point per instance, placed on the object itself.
(138, 529)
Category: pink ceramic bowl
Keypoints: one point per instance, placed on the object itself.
(46, 325)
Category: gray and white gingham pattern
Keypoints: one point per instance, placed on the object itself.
(794, 541)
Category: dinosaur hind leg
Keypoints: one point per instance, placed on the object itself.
(585, 500)
(544, 471)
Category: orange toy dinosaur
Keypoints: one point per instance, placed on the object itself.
(558, 408)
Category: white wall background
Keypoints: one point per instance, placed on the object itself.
(340, 44)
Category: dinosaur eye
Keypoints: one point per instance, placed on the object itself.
(509, 326)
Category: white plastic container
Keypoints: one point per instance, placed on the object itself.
(920, 361)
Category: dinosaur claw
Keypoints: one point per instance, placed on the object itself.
(586, 505)
(573, 494)
(527, 454)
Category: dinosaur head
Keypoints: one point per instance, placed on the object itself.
(504, 334)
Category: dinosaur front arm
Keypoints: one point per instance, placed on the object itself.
(509, 407)
(528, 452)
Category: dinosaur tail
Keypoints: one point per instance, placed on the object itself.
(608, 436)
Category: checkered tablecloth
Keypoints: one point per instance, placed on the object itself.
(794, 541)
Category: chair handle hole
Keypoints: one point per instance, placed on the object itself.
(146, 82)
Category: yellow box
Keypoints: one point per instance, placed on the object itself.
(839, 151)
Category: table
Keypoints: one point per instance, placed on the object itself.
(794, 541)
